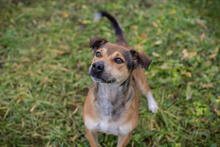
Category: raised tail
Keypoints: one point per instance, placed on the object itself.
(118, 30)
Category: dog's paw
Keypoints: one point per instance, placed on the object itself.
(152, 106)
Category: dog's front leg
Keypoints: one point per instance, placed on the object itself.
(145, 90)
(92, 137)
(123, 140)
(152, 104)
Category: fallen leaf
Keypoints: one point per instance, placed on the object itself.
(25, 59)
(202, 37)
(209, 85)
(164, 66)
(169, 52)
(155, 54)
(189, 92)
(158, 42)
(208, 63)
(79, 64)
(172, 12)
(200, 22)
(65, 14)
(134, 27)
(214, 54)
(188, 55)
(155, 25)
(143, 35)
(188, 74)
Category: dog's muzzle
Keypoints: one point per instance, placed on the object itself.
(98, 67)
(97, 73)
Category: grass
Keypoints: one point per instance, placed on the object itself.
(44, 60)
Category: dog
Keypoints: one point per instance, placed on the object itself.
(118, 77)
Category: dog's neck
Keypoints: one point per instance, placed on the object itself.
(111, 99)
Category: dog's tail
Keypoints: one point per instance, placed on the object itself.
(118, 30)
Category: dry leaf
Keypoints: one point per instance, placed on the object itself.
(79, 64)
(213, 55)
(25, 59)
(209, 85)
(158, 42)
(155, 54)
(65, 14)
(188, 55)
(202, 37)
(188, 74)
(134, 27)
(155, 25)
(208, 63)
(170, 52)
(164, 66)
(200, 22)
(172, 12)
(143, 35)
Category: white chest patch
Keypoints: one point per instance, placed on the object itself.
(109, 127)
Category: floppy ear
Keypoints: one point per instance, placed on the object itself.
(140, 59)
(96, 42)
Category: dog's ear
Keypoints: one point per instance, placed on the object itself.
(96, 42)
(140, 59)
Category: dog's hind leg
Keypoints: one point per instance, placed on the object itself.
(144, 88)
(92, 137)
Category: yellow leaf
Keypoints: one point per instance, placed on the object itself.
(170, 52)
(188, 74)
(172, 12)
(65, 14)
(134, 27)
(188, 55)
(155, 25)
(155, 54)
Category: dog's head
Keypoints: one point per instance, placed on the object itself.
(113, 63)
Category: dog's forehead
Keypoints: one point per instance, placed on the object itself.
(112, 48)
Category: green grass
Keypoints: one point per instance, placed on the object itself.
(44, 60)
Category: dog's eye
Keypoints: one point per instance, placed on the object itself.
(98, 54)
(118, 60)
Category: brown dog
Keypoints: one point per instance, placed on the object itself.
(112, 102)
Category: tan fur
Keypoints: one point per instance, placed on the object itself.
(128, 120)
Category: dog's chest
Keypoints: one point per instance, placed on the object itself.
(105, 125)
(111, 103)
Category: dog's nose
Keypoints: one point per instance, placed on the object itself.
(98, 67)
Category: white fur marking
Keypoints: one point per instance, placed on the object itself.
(103, 125)
(125, 129)
(97, 17)
(90, 123)
(152, 104)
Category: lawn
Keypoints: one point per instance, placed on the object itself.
(45, 55)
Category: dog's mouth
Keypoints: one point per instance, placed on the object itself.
(101, 78)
